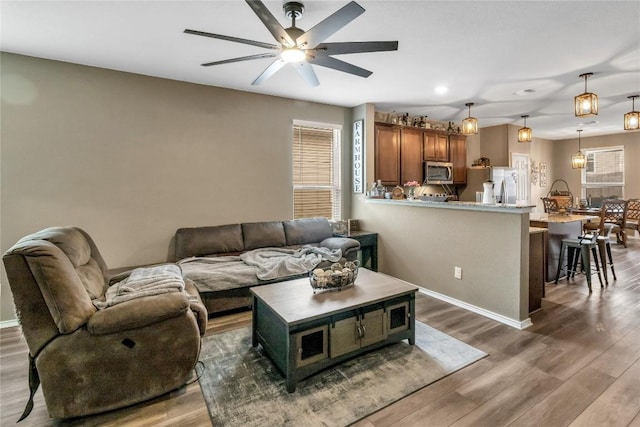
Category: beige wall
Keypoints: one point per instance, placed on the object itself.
(131, 158)
(423, 245)
(564, 149)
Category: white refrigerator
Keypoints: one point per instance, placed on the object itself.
(477, 176)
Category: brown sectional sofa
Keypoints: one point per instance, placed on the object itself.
(235, 239)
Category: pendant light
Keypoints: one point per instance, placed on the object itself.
(632, 118)
(470, 124)
(524, 133)
(586, 103)
(578, 160)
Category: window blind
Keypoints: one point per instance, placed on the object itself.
(316, 172)
(604, 172)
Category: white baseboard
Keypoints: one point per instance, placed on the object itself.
(8, 323)
(518, 324)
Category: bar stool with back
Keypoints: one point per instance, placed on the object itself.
(580, 248)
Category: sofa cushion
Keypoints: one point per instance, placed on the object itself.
(201, 241)
(263, 235)
(308, 230)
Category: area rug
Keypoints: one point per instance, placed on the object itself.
(242, 387)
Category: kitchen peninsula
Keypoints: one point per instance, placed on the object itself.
(427, 243)
(560, 227)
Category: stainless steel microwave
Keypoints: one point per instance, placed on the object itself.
(438, 172)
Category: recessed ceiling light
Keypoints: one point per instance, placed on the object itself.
(524, 92)
(441, 89)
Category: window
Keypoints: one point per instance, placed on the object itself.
(603, 176)
(316, 171)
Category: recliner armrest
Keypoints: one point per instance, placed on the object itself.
(138, 313)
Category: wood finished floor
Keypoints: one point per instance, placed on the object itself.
(578, 365)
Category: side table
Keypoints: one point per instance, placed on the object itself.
(368, 247)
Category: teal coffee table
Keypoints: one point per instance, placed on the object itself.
(304, 333)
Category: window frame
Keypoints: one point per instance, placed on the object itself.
(585, 186)
(335, 187)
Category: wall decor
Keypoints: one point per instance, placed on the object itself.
(358, 156)
(542, 167)
(535, 171)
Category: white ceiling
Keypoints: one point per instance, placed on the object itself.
(483, 51)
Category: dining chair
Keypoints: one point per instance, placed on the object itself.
(614, 212)
(632, 221)
(550, 205)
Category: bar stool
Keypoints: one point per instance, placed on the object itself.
(582, 248)
(604, 246)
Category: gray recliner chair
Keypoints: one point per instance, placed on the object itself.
(92, 360)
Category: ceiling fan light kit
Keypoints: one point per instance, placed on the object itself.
(292, 54)
(470, 124)
(586, 103)
(524, 133)
(303, 48)
(632, 118)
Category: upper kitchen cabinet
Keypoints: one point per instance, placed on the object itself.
(436, 146)
(411, 142)
(387, 154)
(458, 156)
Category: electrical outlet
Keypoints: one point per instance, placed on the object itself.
(457, 272)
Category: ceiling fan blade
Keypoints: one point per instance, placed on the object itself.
(271, 23)
(356, 47)
(325, 28)
(232, 39)
(270, 71)
(306, 72)
(336, 64)
(242, 58)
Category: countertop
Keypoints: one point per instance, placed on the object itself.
(471, 206)
(559, 219)
(534, 230)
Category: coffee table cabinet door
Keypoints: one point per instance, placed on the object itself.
(373, 326)
(398, 317)
(344, 336)
(312, 346)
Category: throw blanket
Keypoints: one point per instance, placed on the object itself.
(212, 274)
(143, 282)
(273, 263)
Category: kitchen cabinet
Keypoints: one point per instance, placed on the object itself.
(458, 156)
(436, 146)
(537, 256)
(387, 154)
(411, 141)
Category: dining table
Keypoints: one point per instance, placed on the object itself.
(586, 211)
(559, 226)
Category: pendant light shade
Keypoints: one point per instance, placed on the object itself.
(586, 103)
(632, 118)
(578, 160)
(524, 133)
(470, 124)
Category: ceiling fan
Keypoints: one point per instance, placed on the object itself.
(302, 48)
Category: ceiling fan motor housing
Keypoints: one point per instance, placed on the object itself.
(293, 9)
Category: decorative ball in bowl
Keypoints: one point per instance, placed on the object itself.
(334, 278)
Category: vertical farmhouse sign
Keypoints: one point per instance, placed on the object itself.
(358, 156)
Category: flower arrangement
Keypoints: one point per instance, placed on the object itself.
(412, 188)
